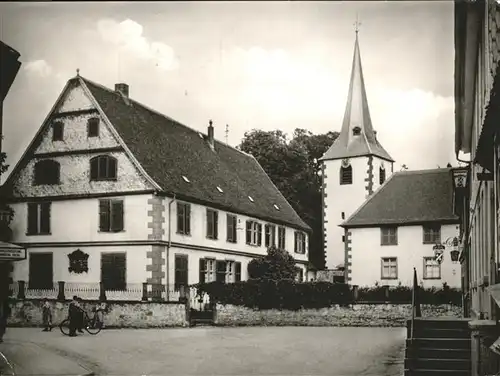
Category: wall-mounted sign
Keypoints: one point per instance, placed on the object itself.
(13, 253)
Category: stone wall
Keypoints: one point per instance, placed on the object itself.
(120, 314)
(355, 315)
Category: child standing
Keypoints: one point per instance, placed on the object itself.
(47, 316)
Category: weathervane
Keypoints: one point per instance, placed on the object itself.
(357, 24)
(78, 72)
(227, 131)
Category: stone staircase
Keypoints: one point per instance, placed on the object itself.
(440, 346)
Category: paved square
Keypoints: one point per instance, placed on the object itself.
(229, 351)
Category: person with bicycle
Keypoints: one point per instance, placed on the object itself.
(75, 315)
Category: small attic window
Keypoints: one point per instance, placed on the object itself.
(356, 131)
(250, 198)
(93, 127)
(186, 179)
(220, 189)
(276, 207)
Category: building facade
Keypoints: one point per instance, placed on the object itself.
(477, 110)
(353, 167)
(111, 191)
(398, 228)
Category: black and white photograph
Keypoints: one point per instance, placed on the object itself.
(250, 188)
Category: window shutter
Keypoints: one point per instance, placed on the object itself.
(117, 215)
(104, 215)
(45, 218)
(112, 168)
(237, 268)
(94, 166)
(187, 218)
(249, 232)
(180, 218)
(210, 227)
(303, 243)
(102, 170)
(32, 218)
(259, 234)
(38, 173)
(203, 266)
(229, 228)
(220, 271)
(216, 227)
(295, 241)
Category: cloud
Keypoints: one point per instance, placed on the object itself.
(128, 35)
(38, 67)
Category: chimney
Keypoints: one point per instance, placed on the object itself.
(122, 88)
(210, 134)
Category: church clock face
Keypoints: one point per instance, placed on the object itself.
(345, 162)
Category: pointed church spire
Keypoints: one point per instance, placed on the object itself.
(357, 137)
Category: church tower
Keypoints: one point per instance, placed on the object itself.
(354, 166)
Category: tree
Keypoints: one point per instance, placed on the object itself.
(294, 167)
(278, 264)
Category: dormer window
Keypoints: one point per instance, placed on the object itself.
(250, 198)
(356, 131)
(47, 172)
(57, 131)
(93, 127)
(220, 189)
(185, 179)
(103, 167)
(276, 207)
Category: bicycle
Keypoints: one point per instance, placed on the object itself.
(93, 325)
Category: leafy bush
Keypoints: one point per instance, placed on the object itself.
(279, 294)
(291, 295)
(278, 264)
(402, 294)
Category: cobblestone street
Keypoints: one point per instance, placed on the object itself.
(217, 351)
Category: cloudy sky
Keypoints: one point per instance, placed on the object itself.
(264, 65)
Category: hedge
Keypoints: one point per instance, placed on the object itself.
(292, 295)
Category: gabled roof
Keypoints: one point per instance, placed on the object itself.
(9, 61)
(168, 150)
(408, 197)
(357, 114)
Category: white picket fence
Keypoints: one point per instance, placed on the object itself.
(91, 291)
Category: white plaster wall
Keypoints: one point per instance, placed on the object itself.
(75, 178)
(136, 263)
(78, 220)
(75, 135)
(377, 163)
(198, 232)
(341, 198)
(194, 257)
(367, 253)
(75, 99)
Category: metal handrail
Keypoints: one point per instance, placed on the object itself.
(413, 305)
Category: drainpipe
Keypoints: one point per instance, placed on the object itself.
(168, 244)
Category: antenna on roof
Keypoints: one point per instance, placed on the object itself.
(227, 132)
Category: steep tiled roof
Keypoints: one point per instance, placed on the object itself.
(357, 115)
(168, 150)
(409, 197)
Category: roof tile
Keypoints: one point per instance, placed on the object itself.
(168, 150)
(409, 197)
